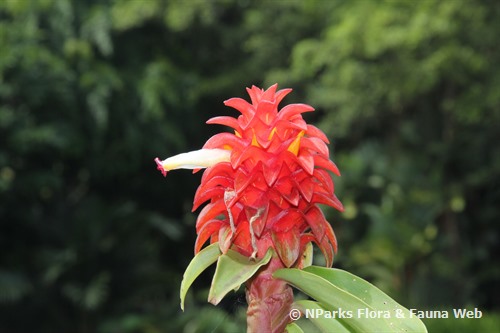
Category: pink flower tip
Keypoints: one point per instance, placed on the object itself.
(160, 167)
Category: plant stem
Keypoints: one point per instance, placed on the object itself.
(269, 301)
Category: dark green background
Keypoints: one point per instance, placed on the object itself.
(93, 239)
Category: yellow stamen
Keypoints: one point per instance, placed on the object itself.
(272, 133)
(295, 145)
(237, 134)
(254, 140)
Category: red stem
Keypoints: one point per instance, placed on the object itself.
(269, 301)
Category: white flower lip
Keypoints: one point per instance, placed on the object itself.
(196, 159)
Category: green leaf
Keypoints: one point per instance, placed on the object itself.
(333, 298)
(322, 322)
(232, 270)
(371, 295)
(200, 262)
(293, 328)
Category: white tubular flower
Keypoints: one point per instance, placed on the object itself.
(196, 159)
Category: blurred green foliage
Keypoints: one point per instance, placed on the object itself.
(92, 238)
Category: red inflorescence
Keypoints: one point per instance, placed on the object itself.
(269, 191)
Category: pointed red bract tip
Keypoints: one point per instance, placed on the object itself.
(159, 166)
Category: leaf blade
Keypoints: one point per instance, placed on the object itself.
(198, 264)
(293, 328)
(323, 323)
(370, 294)
(332, 298)
(232, 270)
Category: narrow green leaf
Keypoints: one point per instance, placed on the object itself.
(293, 328)
(320, 317)
(371, 295)
(232, 270)
(200, 262)
(333, 298)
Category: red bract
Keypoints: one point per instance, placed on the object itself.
(266, 182)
